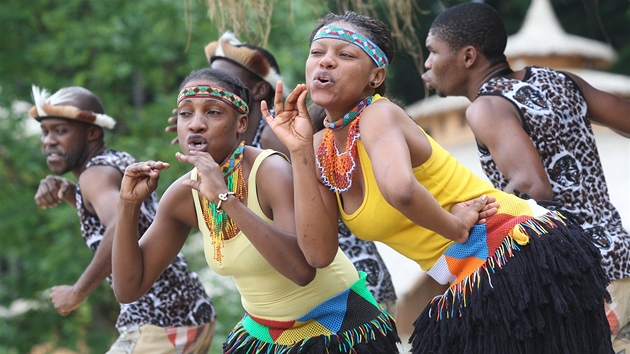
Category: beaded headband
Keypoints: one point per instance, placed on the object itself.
(356, 38)
(47, 106)
(214, 92)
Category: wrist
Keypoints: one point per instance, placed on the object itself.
(222, 198)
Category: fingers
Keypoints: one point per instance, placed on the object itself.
(195, 157)
(63, 190)
(48, 193)
(480, 202)
(277, 101)
(148, 168)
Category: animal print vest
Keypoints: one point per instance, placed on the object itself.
(177, 298)
(554, 114)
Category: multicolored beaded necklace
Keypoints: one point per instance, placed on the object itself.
(221, 226)
(348, 117)
(336, 167)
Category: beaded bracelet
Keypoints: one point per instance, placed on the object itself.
(223, 197)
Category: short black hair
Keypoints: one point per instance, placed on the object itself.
(475, 24)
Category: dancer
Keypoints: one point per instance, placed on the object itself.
(513, 279)
(551, 153)
(241, 199)
(174, 314)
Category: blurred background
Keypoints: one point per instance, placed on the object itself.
(133, 55)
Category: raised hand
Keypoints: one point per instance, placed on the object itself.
(210, 182)
(172, 126)
(292, 124)
(140, 180)
(51, 191)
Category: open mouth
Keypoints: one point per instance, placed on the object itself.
(197, 143)
(323, 78)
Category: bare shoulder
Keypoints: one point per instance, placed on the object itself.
(383, 111)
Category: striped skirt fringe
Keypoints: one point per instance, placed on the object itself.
(546, 296)
(350, 322)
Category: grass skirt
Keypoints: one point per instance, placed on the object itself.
(546, 296)
(350, 322)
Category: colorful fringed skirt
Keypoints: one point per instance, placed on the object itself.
(349, 322)
(537, 289)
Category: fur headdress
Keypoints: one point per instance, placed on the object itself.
(51, 106)
(255, 59)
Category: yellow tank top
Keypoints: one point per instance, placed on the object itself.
(265, 293)
(447, 180)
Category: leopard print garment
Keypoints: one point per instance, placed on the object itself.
(365, 257)
(554, 114)
(177, 298)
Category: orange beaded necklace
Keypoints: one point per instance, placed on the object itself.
(337, 168)
(220, 225)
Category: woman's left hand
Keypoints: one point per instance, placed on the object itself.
(210, 182)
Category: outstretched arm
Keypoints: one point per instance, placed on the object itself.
(395, 145)
(315, 205)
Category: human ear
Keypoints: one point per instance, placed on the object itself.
(243, 120)
(377, 77)
(470, 55)
(94, 132)
(260, 90)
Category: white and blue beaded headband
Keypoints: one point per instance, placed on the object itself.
(356, 38)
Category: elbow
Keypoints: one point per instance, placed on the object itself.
(305, 277)
(321, 259)
(399, 196)
(125, 297)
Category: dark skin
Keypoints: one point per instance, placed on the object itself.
(260, 90)
(208, 130)
(462, 72)
(69, 145)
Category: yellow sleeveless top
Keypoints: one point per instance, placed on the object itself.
(265, 293)
(448, 181)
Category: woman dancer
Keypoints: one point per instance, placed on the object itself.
(528, 280)
(241, 199)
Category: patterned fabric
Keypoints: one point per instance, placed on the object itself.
(218, 93)
(338, 325)
(177, 298)
(350, 116)
(497, 239)
(262, 123)
(554, 115)
(543, 297)
(261, 285)
(366, 258)
(370, 48)
(184, 338)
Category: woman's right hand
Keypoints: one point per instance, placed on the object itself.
(474, 211)
(140, 180)
(292, 123)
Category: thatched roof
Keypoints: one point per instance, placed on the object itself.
(542, 35)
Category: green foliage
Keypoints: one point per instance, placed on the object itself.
(134, 55)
